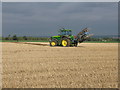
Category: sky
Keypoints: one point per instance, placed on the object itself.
(46, 18)
(0, 19)
(60, 0)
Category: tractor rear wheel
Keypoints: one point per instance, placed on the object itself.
(53, 43)
(76, 44)
(65, 42)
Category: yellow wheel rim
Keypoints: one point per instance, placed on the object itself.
(64, 42)
(53, 43)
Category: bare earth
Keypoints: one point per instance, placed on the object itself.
(37, 65)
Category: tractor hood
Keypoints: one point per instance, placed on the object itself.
(55, 36)
(60, 36)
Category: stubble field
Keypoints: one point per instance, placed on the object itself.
(37, 65)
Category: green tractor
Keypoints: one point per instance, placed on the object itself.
(66, 39)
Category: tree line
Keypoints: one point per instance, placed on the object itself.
(28, 38)
(25, 38)
(104, 39)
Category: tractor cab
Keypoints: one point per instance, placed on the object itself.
(63, 32)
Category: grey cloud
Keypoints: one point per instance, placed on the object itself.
(60, 0)
(44, 18)
(0, 19)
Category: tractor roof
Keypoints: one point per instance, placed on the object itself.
(64, 30)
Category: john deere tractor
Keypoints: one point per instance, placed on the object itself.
(66, 39)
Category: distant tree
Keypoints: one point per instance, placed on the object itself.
(25, 38)
(9, 37)
(6, 38)
(15, 37)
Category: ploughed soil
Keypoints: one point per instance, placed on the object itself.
(37, 65)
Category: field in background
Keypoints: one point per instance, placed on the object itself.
(37, 65)
(48, 41)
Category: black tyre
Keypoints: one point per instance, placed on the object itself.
(53, 43)
(76, 44)
(65, 42)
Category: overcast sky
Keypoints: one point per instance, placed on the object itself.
(0, 19)
(45, 19)
(60, 0)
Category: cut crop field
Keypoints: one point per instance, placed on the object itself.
(37, 65)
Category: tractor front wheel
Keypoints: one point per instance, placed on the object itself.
(65, 42)
(53, 43)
